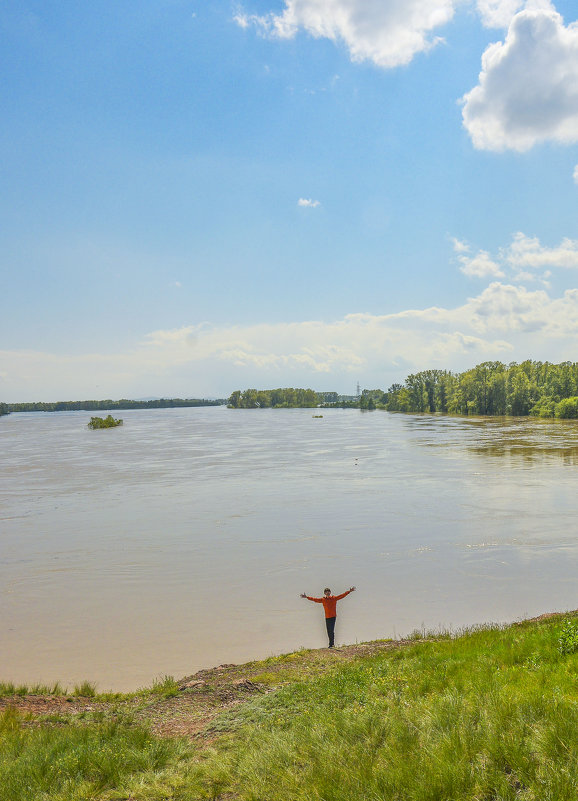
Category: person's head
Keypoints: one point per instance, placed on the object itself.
(326, 592)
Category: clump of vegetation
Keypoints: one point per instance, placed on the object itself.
(165, 687)
(85, 690)
(104, 422)
(568, 639)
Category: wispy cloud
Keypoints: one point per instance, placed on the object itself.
(308, 203)
(499, 13)
(480, 266)
(459, 246)
(520, 257)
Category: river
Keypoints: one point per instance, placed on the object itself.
(183, 539)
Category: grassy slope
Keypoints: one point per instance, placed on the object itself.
(489, 715)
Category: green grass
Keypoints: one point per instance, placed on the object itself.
(77, 763)
(8, 689)
(490, 715)
(165, 687)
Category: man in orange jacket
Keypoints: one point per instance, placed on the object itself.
(330, 606)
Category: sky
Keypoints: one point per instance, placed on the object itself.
(199, 197)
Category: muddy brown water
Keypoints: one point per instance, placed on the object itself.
(183, 539)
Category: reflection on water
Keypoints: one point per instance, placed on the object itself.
(513, 438)
(184, 538)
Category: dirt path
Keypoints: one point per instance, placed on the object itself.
(202, 696)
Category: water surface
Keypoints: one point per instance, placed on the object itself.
(183, 539)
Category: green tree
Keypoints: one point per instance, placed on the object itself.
(567, 408)
(520, 395)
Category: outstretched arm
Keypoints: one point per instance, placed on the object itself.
(309, 598)
(343, 594)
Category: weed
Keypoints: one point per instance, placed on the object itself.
(568, 638)
(85, 690)
(165, 686)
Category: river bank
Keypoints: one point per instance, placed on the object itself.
(487, 713)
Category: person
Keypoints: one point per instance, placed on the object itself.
(330, 606)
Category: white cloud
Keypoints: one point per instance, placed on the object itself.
(575, 175)
(459, 246)
(480, 266)
(519, 258)
(387, 32)
(528, 86)
(528, 252)
(242, 20)
(499, 13)
(308, 203)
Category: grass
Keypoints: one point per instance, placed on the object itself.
(165, 687)
(489, 715)
(77, 763)
(8, 689)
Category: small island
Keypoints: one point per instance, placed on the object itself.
(104, 422)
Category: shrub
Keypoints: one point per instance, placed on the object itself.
(104, 422)
(568, 639)
(567, 408)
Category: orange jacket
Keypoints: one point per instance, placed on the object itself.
(329, 604)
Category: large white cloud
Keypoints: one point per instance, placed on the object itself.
(387, 32)
(528, 86)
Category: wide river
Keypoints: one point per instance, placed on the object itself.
(183, 539)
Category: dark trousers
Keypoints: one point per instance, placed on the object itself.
(330, 623)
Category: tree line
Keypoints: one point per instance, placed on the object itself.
(95, 405)
(287, 398)
(541, 389)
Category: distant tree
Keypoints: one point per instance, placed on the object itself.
(95, 405)
(277, 398)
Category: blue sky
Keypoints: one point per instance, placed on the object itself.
(200, 197)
